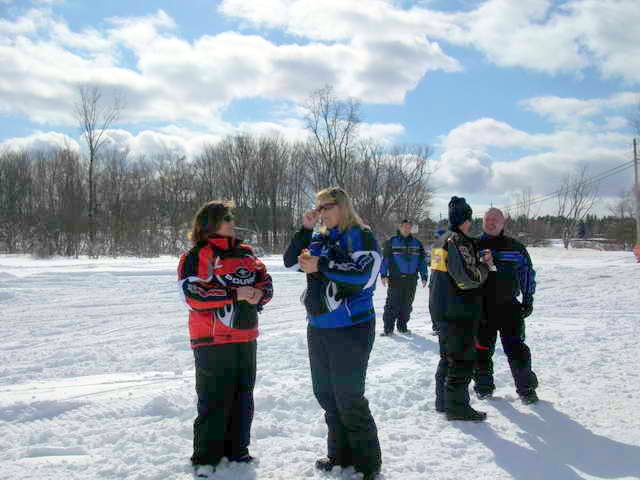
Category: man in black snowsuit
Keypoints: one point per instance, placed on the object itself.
(403, 259)
(503, 312)
(458, 273)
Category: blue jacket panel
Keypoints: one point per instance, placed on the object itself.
(404, 256)
(340, 294)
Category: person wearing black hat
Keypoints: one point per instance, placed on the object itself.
(455, 301)
(403, 258)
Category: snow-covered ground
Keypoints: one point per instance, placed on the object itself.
(96, 379)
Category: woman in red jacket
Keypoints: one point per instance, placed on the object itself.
(225, 286)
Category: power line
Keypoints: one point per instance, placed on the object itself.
(595, 179)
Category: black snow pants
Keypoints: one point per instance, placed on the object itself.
(225, 377)
(507, 320)
(400, 294)
(339, 359)
(457, 335)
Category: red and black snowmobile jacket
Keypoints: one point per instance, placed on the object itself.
(208, 276)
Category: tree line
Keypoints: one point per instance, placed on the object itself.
(109, 202)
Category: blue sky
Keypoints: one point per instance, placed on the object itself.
(512, 95)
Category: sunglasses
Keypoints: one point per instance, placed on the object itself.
(326, 206)
(228, 218)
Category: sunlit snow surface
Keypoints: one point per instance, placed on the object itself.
(97, 382)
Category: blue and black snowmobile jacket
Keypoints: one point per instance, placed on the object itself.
(340, 294)
(515, 274)
(404, 256)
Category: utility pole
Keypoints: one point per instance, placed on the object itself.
(636, 196)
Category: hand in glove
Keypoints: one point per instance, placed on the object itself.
(526, 309)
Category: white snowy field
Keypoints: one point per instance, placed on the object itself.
(97, 382)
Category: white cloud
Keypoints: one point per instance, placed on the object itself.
(42, 62)
(40, 141)
(491, 159)
(541, 35)
(574, 111)
(383, 132)
(376, 54)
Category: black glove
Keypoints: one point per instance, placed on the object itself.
(526, 309)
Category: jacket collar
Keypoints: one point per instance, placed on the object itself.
(486, 236)
(223, 243)
(407, 237)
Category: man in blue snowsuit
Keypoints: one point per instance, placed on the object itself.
(503, 312)
(403, 258)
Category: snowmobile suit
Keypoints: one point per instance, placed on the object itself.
(403, 259)
(223, 334)
(503, 313)
(455, 300)
(340, 334)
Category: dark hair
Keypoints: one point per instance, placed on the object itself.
(208, 218)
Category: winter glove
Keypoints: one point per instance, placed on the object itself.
(526, 309)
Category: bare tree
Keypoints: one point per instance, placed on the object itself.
(390, 183)
(94, 119)
(576, 198)
(622, 207)
(16, 187)
(333, 124)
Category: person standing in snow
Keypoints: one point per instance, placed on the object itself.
(225, 286)
(403, 258)
(503, 312)
(342, 261)
(458, 274)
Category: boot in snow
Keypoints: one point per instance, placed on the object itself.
(325, 464)
(468, 414)
(203, 471)
(529, 398)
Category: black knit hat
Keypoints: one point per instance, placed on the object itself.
(459, 212)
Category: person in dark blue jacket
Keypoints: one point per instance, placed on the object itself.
(342, 261)
(503, 312)
(403, 259)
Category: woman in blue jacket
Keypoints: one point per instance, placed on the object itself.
(342, 260)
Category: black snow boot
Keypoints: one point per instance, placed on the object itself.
(529, 398)
(484, 394)
(326, 464)
(370, 476)
(468, 414)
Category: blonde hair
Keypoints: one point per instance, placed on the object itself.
(350, 217)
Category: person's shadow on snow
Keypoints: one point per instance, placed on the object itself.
(418, 342)
(557, 443)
